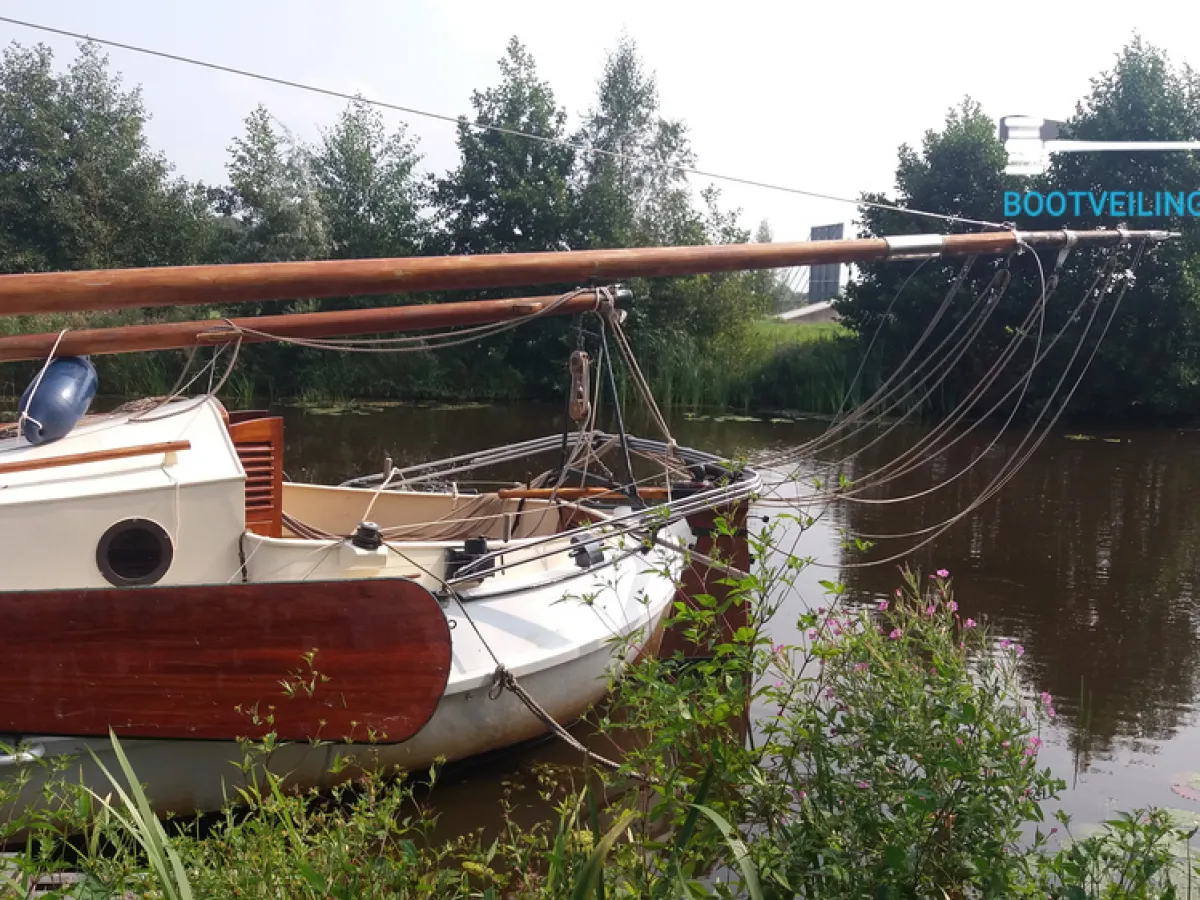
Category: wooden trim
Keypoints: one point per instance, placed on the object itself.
(79, 459)
(577, 493)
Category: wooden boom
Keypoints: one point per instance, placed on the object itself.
(190, 285)
(178, 335)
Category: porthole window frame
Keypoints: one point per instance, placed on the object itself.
(104, 547)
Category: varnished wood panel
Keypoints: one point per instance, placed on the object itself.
(177, 662)
(259, 444)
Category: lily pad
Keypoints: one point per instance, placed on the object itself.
(1188, 787)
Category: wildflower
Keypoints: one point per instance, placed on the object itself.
(929, 610)
(970, 623)
(943, 573)
(864, 786)
(779, 684)
(801, 795)
(861, 667)
(812, 634)
(820, 610)
(1004, 644)
(883, 605)
(1020, 650)
(829, 692)
(1004, 744)
(895, 635)
(952, 606)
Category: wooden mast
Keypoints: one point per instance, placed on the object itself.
(179, 335)
(189, 285)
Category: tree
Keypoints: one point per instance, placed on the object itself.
(79, 186)
(958, 171)
(368, 187)
(1149, 362)
(510, 193)
(273, 197)
(631, 189)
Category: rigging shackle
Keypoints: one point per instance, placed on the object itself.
(580, 406)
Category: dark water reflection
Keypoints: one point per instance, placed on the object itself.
(1089, 557)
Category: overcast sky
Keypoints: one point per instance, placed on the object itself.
(809, 95)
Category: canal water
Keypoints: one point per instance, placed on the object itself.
(1089, 557)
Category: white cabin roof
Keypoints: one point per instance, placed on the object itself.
(209, 456)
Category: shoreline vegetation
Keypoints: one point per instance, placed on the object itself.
(897, 757)
(84, 190)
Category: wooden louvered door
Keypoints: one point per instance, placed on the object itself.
(259, 444)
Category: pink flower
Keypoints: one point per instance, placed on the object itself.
(970, 623)
(1004, 744)
(801, 795)
(861, 667)
(943, 573)
(883, 605)
(829, 692)
(1020, 650)
(863, 785)
(812, 634)
(895, 635)
(820, 610)
(952, 606)
(929, 610)
(1004, 644)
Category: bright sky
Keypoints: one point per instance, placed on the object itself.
(810, 95)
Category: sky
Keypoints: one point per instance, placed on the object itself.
(816, 96)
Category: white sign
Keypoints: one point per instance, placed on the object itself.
(1029, 142)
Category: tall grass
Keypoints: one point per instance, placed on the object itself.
(769, 366)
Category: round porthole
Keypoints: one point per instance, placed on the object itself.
(134, 551)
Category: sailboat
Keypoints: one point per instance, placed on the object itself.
(164, 582)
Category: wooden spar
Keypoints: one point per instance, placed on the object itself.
(189, 285)
(179, 335)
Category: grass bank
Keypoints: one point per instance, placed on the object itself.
(769, 366)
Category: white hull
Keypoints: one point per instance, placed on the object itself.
(569, 651)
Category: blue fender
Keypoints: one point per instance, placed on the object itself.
(62, 398)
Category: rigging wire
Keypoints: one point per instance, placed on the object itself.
(1010, 469)
(500, 129)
